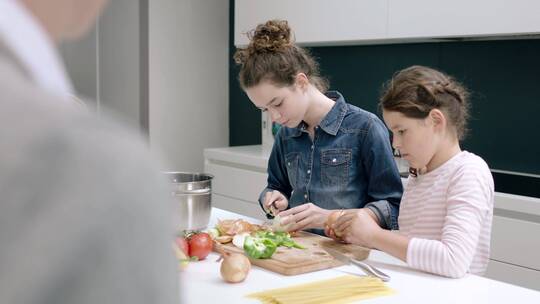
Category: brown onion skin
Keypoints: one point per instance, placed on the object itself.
(332, 218)
(235, 267)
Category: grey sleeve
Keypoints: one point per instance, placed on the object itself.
(85, 218)
(382, 210)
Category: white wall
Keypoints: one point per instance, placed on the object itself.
(120, 59)
(188, 79)
(105, 64)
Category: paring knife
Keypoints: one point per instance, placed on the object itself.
(368, 269)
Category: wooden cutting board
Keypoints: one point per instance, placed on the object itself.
(292, 261)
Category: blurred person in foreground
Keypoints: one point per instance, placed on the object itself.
(84, 213)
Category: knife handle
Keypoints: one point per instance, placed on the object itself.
(370, 270)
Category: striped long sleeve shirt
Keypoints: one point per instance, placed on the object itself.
(447, 214)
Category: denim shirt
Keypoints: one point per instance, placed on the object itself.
(349, 164)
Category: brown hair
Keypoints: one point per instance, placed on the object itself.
(417, 90)
(272, 55)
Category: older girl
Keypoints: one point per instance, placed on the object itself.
(328, 154)
(447, 207)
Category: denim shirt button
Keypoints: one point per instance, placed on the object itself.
(308, 171)
(334, 160)
(289, 164)
(305, 196)
(311, 147)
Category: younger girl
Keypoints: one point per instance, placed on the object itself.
(328, 155)
(447, 207)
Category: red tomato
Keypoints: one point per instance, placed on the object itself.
(200, 245)
(182, 243)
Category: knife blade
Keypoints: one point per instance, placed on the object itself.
(368, 269)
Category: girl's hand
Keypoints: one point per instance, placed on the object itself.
(304, 216)
(274, 202)
(358, 227)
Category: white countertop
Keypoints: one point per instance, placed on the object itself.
(255, 155)
(201, 282)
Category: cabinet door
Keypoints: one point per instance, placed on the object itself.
(235, 181)
(238, 206)
(462, 18)
(315, 22)
(513, 274)
(515, 241)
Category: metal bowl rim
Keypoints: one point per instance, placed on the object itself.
(208, 176)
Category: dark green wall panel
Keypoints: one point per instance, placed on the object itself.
(503, 77)
(244, 118)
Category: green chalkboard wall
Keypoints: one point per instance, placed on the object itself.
(503, 76)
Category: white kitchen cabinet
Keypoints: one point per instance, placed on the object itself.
(514, 242)
(513, 274)
(415, 19)
(346, 22)
(240, 175)
(315, 22)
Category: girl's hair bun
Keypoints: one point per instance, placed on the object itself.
(272, 55)
(272, 36)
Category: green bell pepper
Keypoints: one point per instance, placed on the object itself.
(259, 248)
(279, 238)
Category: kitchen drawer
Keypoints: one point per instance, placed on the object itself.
(516, 275)
(238, 206)
(236, 181)
(515, 241)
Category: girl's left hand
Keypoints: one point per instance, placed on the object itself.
(305, 216)
(357, 227)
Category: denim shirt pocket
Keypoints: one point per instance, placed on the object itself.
(335, 165)
(291, 161)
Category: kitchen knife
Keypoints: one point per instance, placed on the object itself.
(368, 269)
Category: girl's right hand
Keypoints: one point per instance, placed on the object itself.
(358, 226)
(275, 201)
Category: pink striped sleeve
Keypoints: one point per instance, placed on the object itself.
(468, 203)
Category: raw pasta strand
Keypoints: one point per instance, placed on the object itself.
(340, 290)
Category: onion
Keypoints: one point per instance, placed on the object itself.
(330, 222)
(234, 267)
(238, 240)
(277, 226)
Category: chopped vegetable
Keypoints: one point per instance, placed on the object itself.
(259, 248)
(279, 238)
(238, 240)
(214, 233)
(233, 227)
(224, 239)
(277, 226)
